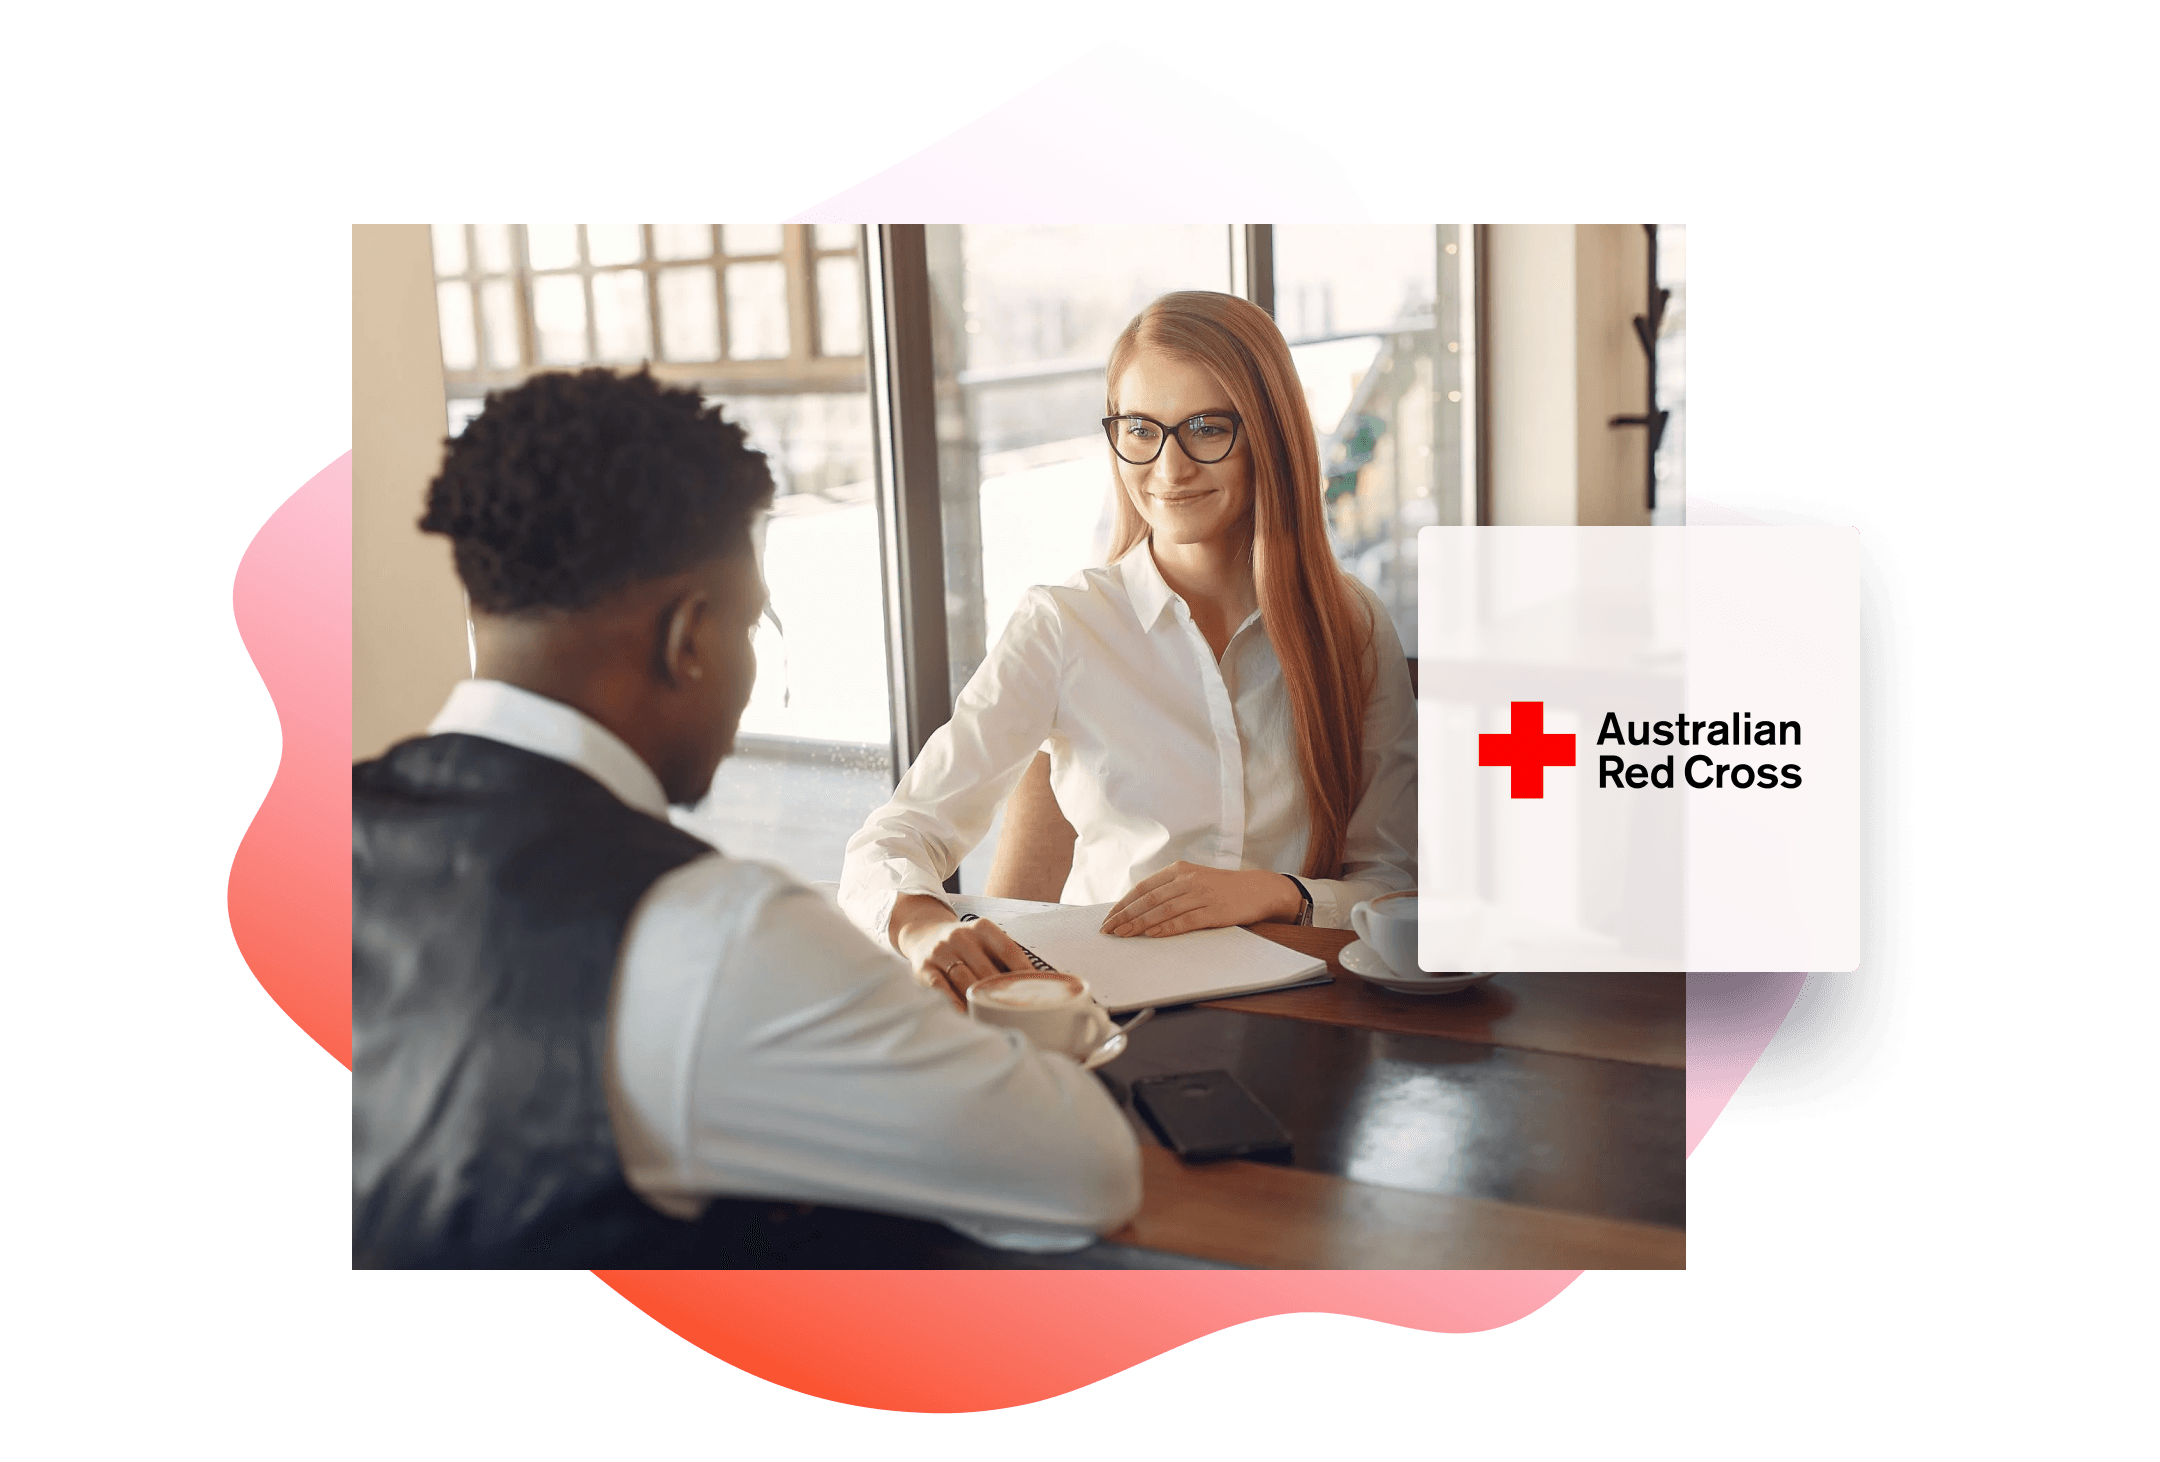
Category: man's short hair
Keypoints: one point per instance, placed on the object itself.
(572, 486)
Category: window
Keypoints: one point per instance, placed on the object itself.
(477, 301)
(1025, 317)
(776, 306)
(1374, 324)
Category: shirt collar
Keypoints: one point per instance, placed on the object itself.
(503, 712)
(1144, 584)
(1151, 594)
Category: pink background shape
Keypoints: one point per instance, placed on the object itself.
(1730, 1020)
(1102, 130)
(1076, 134)
(290, 895)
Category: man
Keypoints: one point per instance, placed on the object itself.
(583, 1037)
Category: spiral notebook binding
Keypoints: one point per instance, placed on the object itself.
(1033, 957)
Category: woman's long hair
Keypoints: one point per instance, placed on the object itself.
(1322, 635)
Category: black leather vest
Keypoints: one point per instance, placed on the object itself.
(491, 890)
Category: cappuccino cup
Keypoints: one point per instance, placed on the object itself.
(1388, 925)
(1055, 1011)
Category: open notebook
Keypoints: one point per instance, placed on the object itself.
(1130, 974)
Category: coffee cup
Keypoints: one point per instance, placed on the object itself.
(1389, 927)
(1056, 1011)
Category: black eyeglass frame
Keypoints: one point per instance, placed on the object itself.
(1237, 424)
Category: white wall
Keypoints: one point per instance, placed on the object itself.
(1561, 359)
(408, 608)
(1530, 372)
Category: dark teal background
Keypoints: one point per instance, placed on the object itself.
(1919, 283)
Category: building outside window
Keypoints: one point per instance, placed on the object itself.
(1373, 315)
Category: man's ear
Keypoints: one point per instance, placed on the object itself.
(683, 628)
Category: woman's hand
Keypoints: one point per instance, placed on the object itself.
(1187, 896)
(946, 954)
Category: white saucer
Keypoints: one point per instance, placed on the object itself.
(1362, 960)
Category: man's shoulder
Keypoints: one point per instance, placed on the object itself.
(509, 826)
(747, 888)
(465, 766)
(718, 873)
(723, 904)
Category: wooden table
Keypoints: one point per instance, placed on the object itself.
(1535, 1121)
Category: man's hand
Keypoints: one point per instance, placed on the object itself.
(946, 954)
(1187, 896)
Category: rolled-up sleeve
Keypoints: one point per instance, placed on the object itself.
(948, 798)
(1380, 845)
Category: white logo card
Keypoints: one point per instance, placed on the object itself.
(1638, 749)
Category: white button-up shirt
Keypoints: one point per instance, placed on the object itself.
(1158, 753)
(759, 1048)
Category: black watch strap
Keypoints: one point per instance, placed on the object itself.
(1304, 914)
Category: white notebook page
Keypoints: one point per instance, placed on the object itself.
(1127, 974)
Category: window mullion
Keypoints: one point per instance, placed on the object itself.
(585, 273)
(903, 404)
(719, 269)
(651, 268)
(797, 265)
(1252, 263)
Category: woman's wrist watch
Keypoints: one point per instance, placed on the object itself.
(1305, 895)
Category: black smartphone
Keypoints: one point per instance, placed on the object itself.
(1209, 1114)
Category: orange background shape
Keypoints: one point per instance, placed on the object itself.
(890, 1340)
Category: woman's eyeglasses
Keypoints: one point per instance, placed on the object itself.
(1139, 439)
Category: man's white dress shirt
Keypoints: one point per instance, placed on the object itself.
(760, 1048)
(1158, 752)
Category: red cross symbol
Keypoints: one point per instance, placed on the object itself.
(1526, 749)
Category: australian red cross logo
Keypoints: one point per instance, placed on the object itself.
(1526, 748)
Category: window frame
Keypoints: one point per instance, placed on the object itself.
(803, 371)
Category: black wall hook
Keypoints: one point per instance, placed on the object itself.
(1655, 421)
(1647, 326)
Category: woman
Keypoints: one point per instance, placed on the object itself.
(1228, 714)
